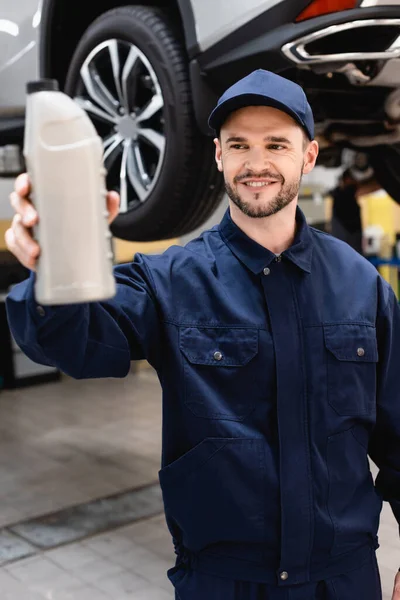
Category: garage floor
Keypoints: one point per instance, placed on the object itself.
(81, 513)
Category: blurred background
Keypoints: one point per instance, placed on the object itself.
(81, 514)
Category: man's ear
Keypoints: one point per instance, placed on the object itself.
(218, 154)
(310, 156)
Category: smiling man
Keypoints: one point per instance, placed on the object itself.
(277, 347)
(258, 188)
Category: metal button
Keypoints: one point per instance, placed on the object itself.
(40, 311)
(284, 575)
(218, 355)
(267, 271)
(361, 352)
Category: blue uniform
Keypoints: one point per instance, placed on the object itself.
(279, 377)
(361, 584)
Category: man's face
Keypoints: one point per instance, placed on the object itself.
(263, 154)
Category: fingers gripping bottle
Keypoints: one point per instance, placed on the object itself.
(64, 158)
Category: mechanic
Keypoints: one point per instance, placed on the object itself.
(277, 348)
(346, 221)
(346, 212)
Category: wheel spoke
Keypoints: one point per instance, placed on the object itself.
(150, 110)
(155, 138)
(115, 63)
(123, 208)
(144, 176)
(95, 110)
(136, 172)
(97, 90)
(110, 144)
(131, 61)
(105, 92)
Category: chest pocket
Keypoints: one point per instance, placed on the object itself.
(352, 355)
(218, 370)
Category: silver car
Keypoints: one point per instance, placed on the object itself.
(148, 75)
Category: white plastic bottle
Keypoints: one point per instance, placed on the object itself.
(64, 159)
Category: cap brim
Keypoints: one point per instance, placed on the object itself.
(222, 112)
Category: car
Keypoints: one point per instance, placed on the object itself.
(148, 74)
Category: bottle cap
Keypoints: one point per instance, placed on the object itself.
(42, 85)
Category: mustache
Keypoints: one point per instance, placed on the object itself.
(263, 175)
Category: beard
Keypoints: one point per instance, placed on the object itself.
(288, 192)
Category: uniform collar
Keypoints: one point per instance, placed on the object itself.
(256, 257)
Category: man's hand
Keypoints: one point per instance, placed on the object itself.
(396, 589)
(19, 238)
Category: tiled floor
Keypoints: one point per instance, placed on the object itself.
(67, 443)
(127, 563)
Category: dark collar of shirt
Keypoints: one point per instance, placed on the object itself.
(255, 257)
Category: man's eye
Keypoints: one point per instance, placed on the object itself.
(238, 146)
(276, 147)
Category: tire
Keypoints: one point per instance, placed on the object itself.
(185, 187)
(385, 162)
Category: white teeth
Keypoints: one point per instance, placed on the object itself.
(257, 183)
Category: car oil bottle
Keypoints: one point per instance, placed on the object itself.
(64, 160)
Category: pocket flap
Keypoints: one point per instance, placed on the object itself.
(219, 347)
(352, 342)
(192, 460)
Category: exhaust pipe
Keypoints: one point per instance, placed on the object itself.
(297, 52)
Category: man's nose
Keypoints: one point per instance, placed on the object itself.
(257, 159)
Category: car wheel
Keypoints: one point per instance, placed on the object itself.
(130, 73)
(385, 162)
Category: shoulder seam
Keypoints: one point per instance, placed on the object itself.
(151, 278)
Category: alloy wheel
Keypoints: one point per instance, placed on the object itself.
(120, 91)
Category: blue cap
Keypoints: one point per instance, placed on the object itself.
(263, 88)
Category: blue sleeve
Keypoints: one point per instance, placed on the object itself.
(97, 339)
(385, 442)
